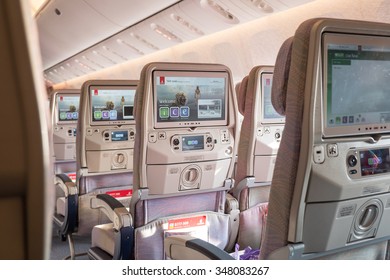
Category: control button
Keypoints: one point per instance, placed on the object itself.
(89, 131)
(319, 154)
(259, 131)
(353, 171)
(107, 135)
(277, 135)
(176, 142)
(352, 160)
(56, 128)
(267, 130)
(333, 150)
(162, 135)
(96, 130)
(132, 133)
(209, 139)
(152, 137)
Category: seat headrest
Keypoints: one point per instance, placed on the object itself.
(280, 78)
(241, 94)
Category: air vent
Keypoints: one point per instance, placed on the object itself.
(218, 9)
(165, 33)
(104, 56)
(137, 51)
(186, 24)
(142, 40)
(91, 61)
(114, 53)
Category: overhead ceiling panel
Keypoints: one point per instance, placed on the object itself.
(68, 27)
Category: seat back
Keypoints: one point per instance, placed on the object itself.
(64, 109)
(26, 195)
(104, 146)
(326, 199)
(259, 142)
(186, 149)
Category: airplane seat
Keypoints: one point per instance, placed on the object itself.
(186, 148)
(104, 156)
(323, 204)
(64, 105)
(26, 195)
(329, 193)
(260, 137)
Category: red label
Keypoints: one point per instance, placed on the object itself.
(72, 176)
(95, 92)
(61, 98)
(268, 82)
(162, 80)
(187, 222)
(121, 193)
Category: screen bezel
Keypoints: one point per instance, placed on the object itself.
(56, 109)
(109, 87)
(260, 91)
(195, 74)
(352, 39)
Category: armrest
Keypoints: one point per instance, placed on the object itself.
(185, 247)
(232, 208)
(70, 221)
(123, 225)
(114, 210)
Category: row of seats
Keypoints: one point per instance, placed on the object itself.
(187, 144)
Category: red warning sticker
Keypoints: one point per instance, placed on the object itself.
(121, 193)
(187, 222)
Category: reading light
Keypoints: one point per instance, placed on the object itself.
(150, 45)
(188, 25)
(165, 33)
(264, 6)
(226, 15)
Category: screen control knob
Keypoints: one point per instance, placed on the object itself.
(352, 160)
(176, 142)
(209, 139)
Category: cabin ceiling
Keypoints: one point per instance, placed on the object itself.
(78, 37)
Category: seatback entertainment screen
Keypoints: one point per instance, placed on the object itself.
(112, 104)
(67, 108)
(356, 93)
(190, 99)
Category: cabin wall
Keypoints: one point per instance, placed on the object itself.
(247, 45)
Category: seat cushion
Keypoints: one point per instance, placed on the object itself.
(103, 237)
(60, 206)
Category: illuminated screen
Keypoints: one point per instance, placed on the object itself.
(191, 143)
(357, 71)
(190, 98)
(374, 161)
(269, 113)
(68, 108)
(112, 105)
(119, 135)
